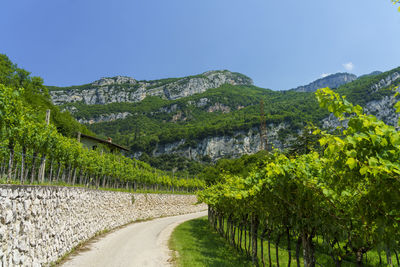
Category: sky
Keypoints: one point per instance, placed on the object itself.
(279, 44)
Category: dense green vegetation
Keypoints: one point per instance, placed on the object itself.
(176, 164)
(340, 199)
(241, 166)
(27, 142)
(36, 96)
(153, 120)
(79, 87)
(196, 245)
(360, 91)
(236, 110)
(157, 121)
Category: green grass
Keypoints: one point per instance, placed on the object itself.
(196, 244)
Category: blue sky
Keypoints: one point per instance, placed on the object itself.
(279, 44)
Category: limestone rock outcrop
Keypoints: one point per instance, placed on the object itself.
(387, 81)
(125, 89)
(228, 146)
(383, 109)
(105, 117)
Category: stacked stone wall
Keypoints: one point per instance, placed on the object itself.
(38, 225)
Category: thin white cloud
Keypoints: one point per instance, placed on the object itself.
(348, 66)
(323, 75)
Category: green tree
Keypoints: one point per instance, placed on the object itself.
(35, 96)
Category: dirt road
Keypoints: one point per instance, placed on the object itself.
(139, 244)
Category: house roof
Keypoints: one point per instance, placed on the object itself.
(104, 142)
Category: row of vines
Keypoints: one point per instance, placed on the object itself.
(342, 200)
(31, 151)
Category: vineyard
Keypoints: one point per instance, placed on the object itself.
(34, 152)
(342, 200)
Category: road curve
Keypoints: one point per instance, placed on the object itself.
(138, 244)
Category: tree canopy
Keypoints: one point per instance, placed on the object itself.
(36, 96)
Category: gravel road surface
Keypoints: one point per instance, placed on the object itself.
(138, 244)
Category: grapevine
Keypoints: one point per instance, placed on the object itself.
(26, 142)
(348, 194)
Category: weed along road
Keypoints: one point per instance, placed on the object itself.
(138, 244)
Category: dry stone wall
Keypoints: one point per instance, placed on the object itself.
(40, 224)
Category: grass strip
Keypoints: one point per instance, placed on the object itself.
(195, 244)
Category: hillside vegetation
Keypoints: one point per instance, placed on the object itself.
(27, 142)
(223, 111)
(339, 200)
(156, 120)
(36, 96)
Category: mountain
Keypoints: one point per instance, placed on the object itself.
(122, 89)
(374, 73)
(209, 116)
(331, 81)
(198, 114)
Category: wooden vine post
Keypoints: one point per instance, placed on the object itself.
(43, 162)
(78, 138)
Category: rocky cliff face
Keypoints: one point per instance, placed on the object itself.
(331, 81)
(248, 142)
(383, 109)
(386, 82)
(105, 117)
(217, 147)
(126, 89)
(115, 80)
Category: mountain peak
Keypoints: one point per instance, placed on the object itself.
(114, 80)
(374, 73)
(234, 78)
(332, 81)
(126, 89)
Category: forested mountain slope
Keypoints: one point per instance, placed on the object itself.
(211, 123)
